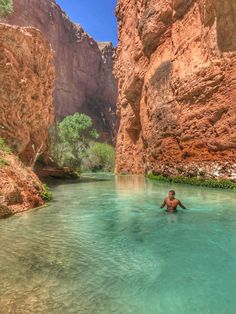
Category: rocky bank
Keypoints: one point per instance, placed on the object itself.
(84, 79)
(176, 71)
(20, 187)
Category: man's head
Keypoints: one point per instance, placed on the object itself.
(171, 194)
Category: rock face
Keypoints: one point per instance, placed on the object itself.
(176, 71)
(20, 187)
(26, 112)
(84, 79)
(26, 86)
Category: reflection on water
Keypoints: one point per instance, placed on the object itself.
(127, 184)
(106, 247)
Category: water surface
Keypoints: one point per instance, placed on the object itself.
(106, 247)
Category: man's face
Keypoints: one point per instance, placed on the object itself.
(171, 195)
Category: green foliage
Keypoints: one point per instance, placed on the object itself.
(6, 8)
(4, 147)
(210, 183)
(101, 157)
(3, 162)
(74, 146)
(46, 194)
(71, 139)
(77, 128)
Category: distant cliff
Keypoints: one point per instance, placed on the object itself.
(176, 71)
(84, 79)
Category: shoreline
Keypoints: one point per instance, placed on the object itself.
(223, 184)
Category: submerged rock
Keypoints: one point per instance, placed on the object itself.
(176, 71)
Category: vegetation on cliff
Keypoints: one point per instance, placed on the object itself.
(210, 183)
(6, 149)
(46, 194)
(74, 145)
(6, 8)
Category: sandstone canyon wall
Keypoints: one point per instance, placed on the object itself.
(84, 79)
(26, 86)
(176, 71)
(26, 112)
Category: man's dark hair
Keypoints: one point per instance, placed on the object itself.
(172, 192)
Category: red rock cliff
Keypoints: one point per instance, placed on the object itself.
(26, 112)
(84, 80)
(176, 71)
(26, 86)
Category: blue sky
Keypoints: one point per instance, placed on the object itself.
(95, 16)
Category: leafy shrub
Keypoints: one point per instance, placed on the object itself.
(46, 194)
(71, 138)
(6, 7)
(210, 183)
(4, 147)
(101, 157)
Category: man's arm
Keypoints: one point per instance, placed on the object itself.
(181, 205)
(164, 204)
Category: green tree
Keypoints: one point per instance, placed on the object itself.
(71, 138)
(101, 157)
(6, 8)
(77, 128)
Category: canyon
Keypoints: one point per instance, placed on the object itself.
(84, 79)
(176, 72)
(49, 68)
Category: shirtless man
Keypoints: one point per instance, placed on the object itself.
(171, 202)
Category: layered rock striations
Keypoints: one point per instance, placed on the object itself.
(176, 71)
(84, 79)
(26, 86)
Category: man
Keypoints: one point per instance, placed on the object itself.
(171, 202)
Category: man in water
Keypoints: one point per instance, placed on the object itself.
(171, 202)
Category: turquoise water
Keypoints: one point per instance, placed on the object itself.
(106, 247)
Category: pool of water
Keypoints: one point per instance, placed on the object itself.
(105, 246)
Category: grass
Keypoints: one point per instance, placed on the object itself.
(210, 183)
(46, 194)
